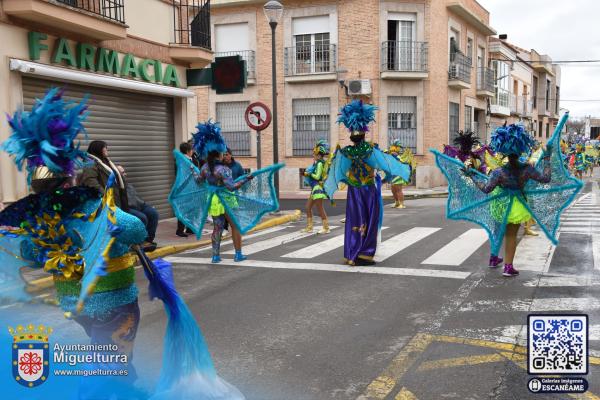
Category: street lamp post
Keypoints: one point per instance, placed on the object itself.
(274, 11)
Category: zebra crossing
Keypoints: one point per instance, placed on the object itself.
(290, 248)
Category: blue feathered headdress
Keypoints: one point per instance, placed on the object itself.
(46, 135)
(322, 147)
(208, 138)
(511, 139)
(357, 116)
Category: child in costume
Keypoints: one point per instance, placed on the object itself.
(405, 156)
(314, 176)
(512, 194)
(580, 161)
(211, 190)
(355, 166)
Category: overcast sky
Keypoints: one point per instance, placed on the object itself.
(565, 30)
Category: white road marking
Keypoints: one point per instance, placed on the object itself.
(430, 273)
(563, 281)
(226, 242)
(320, 248)
(400, 242)
(534, 253)
(274, 242)
(458, 250)
(587, 230)
(534, 305)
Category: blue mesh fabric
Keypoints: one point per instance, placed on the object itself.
(12, 286)
(388, 163)
(340, 164)
(246, 206)
(545, 201)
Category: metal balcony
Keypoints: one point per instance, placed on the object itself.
(191, 26)
(485, 82)
(111, 9)
(247, 55)
(459, 73)
(404, 60)
(97, 19)
(311, 63)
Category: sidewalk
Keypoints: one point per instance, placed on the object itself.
(410, 193)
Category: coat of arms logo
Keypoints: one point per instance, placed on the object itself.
(30, 354)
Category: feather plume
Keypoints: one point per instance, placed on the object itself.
(356, 116)
(46, 135)
(207, 138)
(511, 139)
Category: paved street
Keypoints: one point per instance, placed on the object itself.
(430, 321)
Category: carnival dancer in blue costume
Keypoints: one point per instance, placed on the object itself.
(83, 240)
(314, 176)
(355, 166)
(514, 193)
(210, 190)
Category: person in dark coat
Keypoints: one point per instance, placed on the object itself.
(234, 166)
(144, 211)
(96, 176)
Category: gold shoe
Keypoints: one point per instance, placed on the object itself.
(309, 226)
(325, 228)
(401, 205)
(530, 232)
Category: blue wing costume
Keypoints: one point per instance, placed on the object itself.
(544, 201)
(191, 200)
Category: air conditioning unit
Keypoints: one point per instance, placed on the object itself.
(359, 87)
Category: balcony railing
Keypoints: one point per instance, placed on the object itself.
(110, 9)
(404, 56)
(485, 79)
(247, 55)
(460, 68)
(304, 60)
(192, 22)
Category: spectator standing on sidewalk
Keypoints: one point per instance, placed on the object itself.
(233, 165)
(187, 149)
(145, 212)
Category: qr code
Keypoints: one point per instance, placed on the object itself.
(558, 344)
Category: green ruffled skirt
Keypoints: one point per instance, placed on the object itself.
(216, 206)
(518, 212)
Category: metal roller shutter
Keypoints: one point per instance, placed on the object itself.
(138, 129)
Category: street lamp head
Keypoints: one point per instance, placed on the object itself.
(273, 11)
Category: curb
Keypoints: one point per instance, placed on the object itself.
(47, 282)
(420, 196)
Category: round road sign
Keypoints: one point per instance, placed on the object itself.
(258, 116)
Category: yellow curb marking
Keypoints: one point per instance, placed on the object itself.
(460, 361)
(405, 394)
(384, 384)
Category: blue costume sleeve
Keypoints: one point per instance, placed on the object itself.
(546, 201)
(190, 198)
(337, 173)
(466, 201)
(255, 198)
(388, 164)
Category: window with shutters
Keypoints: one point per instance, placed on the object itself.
(311, 122)
(402, 121)
(453, 120)
(468, 118)
(233, 126)
(231, 40)
(312, 51)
